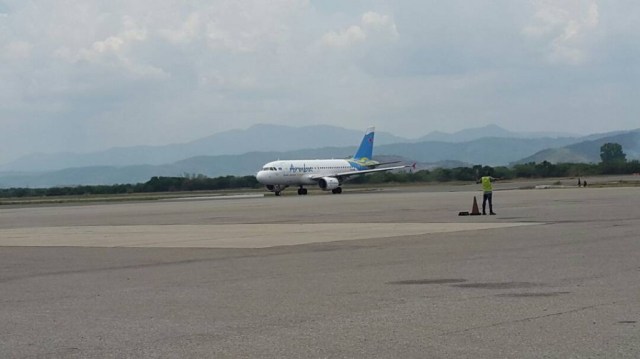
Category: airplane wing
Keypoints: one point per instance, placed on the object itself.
(371, 164)
(388, 163)
(354, 173)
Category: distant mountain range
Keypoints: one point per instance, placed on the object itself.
(487, 131)
(588, 151)
(258, 138)
(222, 154)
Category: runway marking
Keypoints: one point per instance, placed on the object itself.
(216, 197)
(225, 235)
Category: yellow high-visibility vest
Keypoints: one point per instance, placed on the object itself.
(486, 184)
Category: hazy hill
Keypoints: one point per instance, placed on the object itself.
(588, 151)
(472, 134)
(261, 138)
(487, 151)
(212, 166)
(174, 160)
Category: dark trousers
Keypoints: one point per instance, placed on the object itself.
(488, 196)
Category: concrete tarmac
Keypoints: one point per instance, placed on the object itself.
(394, 273)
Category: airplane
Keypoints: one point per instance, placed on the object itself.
(327, 174)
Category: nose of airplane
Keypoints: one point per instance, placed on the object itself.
(261, 176)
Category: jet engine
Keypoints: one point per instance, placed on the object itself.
(328, 183)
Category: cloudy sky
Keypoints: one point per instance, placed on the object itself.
(84, 75)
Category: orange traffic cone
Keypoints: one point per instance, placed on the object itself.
(474, 210)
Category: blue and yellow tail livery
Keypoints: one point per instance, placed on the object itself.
(365, 151)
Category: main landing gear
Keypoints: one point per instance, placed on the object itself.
(303, 191)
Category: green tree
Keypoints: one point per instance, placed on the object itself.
(612, 153)
(525, 170)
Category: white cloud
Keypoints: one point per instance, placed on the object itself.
(373, 26)
(17, 50)
(184, 69)
(116, 51)
(383, 25)
(187, 32)
(566, 26)
(347, 37)
(249, 26)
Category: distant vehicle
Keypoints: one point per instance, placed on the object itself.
(327, 174)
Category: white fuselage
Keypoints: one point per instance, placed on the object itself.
(300, 172)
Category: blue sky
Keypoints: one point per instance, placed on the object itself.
(85, 75)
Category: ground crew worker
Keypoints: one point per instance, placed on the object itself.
(487, 190)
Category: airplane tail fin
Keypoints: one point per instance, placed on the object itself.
(365, 151)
